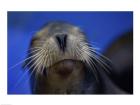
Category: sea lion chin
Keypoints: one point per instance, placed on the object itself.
(65, 67)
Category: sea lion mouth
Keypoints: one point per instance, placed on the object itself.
(65, 62)
(64, 67)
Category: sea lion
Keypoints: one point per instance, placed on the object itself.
(63, 62)
(120, 52)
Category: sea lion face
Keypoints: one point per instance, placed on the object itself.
(59, 41)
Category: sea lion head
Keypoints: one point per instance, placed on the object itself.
(58, 41)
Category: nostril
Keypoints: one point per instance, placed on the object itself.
(61, 40)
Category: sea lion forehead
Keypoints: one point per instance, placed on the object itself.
(60, 27)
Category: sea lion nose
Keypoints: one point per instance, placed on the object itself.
(62, 41)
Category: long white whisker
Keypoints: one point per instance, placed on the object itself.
(35, 65)
(102, 60)
(103, 56)
(90, 63)
(37, 55)
(100, 55)
(34, 68)
(25, 73)
(39, 70)
(102, 63)
(22, 61)
(34, 48)
(94, 50)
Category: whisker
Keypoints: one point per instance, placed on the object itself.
(33, 51)
(34, 66)
(31, 73)
(22, 61)
(42, 41)
(34, 48)
(99, 60)
(38, 67)
(39, 70)
(103, 61)
(21, 78)
(91, 64)
(103, 64)
(90, 46)
(103, 56)
(91, 53)
(99, 54)
(44, 59)
(94, 70)
(25, 74)
(72, 51)
(35, 57)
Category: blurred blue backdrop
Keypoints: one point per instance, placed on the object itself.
(100, 27)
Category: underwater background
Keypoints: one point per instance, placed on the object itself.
(101, 28)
